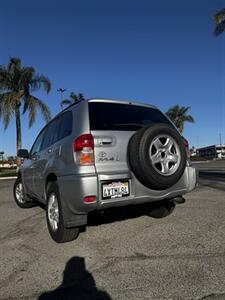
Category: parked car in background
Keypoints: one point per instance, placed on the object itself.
(99, 154)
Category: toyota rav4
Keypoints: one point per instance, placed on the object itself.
(99, 154)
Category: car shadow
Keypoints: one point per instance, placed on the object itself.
(122, 213)
(77, 284)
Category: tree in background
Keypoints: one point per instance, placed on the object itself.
(219, 19)
(16, 85)
(178, 115)
(73, 99)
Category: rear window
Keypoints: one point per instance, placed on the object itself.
(51, 134)
(65, 128)
(115, 116)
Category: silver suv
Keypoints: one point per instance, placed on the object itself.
(99, 154)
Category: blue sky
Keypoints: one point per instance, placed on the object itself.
(160, 52)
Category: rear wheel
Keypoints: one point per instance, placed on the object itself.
(54, 215)
(20, 198)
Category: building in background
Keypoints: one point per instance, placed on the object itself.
(214, 151)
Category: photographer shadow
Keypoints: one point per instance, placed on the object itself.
(77, 284)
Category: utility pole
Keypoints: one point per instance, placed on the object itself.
(61, 91)
(222, 149)
(1, 156)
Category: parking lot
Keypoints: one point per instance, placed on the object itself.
(123, 254)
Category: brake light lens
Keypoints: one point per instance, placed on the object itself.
(186, 145)
(83, 148)
(90, 199)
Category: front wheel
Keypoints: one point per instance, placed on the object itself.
(54, 215)
(20, 198)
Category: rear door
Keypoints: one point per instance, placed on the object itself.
(45, 157)
(53, 151)
(111, 136)
(30, 164)
(112, 124)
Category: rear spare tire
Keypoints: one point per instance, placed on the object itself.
(157, 156)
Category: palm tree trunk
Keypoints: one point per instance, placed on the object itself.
(18, 132)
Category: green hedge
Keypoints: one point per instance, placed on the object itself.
(7, 172)
(12, 174)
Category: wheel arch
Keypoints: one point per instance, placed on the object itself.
(50, 178)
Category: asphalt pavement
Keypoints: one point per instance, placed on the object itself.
(123, 254)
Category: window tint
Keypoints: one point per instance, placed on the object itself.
(65, 128)
(114, 116)
(51, 134)
(37, 144)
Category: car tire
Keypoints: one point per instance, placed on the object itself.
(157, 156)
(22, 200)
(161, 210)
(55, 218)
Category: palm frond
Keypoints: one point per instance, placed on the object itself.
(74, 97)
(66, 102)
(32, 108)
(26, 76)
(40, 81)
(183, 110)
(4, 78)
(7, 108)
(220, 28)
(81, 96)
(219, 19)
(189, 119)
(177, 114)
(14, 64)
(43, 108)
(14, 73)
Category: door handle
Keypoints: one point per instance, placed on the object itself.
(105, 141)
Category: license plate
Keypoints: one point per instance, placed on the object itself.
(115, 190)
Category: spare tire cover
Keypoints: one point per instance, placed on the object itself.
(157, 156)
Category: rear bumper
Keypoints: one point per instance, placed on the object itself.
(74, 188)
(141, 194)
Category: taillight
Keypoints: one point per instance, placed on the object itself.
(89, 199)
(186, 145)
(83, 148)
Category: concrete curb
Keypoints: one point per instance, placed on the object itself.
(200, 161)
(4, 178)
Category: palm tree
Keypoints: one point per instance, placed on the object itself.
(178, 116)
(16, 84)
(219, 19)
(73, 99)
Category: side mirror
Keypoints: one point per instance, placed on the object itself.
(23, 153)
